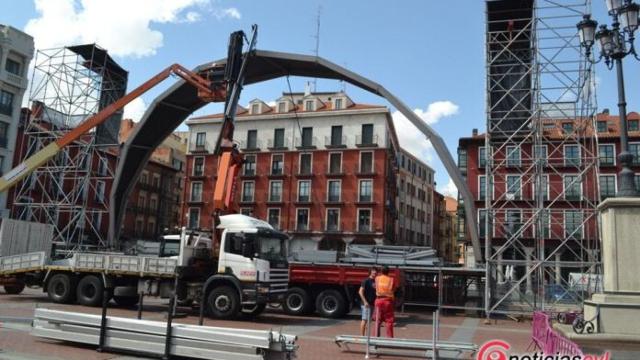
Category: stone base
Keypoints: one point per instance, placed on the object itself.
(619, 314)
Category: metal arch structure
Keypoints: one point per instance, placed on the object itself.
(175, 104)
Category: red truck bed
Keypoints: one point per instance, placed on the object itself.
(334, 274)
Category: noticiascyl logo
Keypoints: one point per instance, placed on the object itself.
(494, 350)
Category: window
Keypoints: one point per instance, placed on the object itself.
(273, 218)
(12, 66)
(572, 187)
(96, 220)
(632, 125)
(514, 187)
(102, 166)
(252, 139)
(196, 191)
(151, 227)
(153, 203)
(275, 191)
(567, 128)
(338, 104)
(364, 220)
(546, 223)
(482, 156)
(513, 156)
(365, 191)
(544, 188)
(139, 226)
(541, 154)
(255, 109)
(142, 200)
(194, 218)
(1, 165)
(513, 222)
(482, 222)
(100, 189)
(6, 102)
(335, 163)
(278, 138)
(482, 187)
(602, 126)
(607, 186)
(336, 135)
(367, 134)
(304, 191)
(637, 181)
(366, 162)
(277, 163)
(573, 224)
(282, 107)
(333, 219)
(634, 149)
(571, 155)
(246, 211)
(606, 154)
(302, 219)
(462, 159)
(248, 189)
(200, 139)
(334, 190)
(198, 166)
(305, 164)
(309, 105)
(249, 165)
(307, 137)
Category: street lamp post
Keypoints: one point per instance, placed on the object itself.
(612, 44)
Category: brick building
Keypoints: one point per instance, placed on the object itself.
(318, 166)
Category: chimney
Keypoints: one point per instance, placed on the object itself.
(605, 111)
(474, 132)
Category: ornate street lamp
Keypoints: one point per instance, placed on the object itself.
(612, 44)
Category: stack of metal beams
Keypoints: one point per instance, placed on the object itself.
(392, 255)
(148, 337)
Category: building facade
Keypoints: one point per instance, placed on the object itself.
(16, 51)
(415, 202)
(317, 166)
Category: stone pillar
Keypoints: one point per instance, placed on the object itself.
(558, 268)
(499, 266)
(528, 253)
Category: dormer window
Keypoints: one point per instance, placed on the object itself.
(338, 103)
(282, 107)
(309, 105)
(255, 109)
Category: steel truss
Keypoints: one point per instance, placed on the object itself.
(540, 222)
(70, 191)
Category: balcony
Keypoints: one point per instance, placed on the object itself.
(331, 142)
(250, 147)
(334, 200)
(199, 148)
(15, 80)
(364, 170)
(303, 200)
(366, 141)
(195, 200)
(272, 144)
(247, 200)
(363, 228)
(306, 143)
(363, 199)
(302, 228)
(332, 227)
(336, 171)
(301, 172)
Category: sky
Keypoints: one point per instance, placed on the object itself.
(426, 52)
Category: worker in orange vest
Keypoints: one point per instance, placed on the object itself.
(385, 288)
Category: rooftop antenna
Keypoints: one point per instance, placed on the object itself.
(317, 49)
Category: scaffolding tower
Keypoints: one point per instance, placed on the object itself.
(70, 191)
(540, 159)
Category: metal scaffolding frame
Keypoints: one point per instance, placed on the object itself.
(537, 81)
(70, 191)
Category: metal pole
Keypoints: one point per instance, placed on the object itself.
(140, 304)
(103, 320)
(170, 312)
(366, 356)
(435, 321)
(626, 183)
(202, 305)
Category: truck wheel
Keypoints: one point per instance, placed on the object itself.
(126, 301)
(331, 303)
(223, 302)
(253, 311)
(61, 289)
(14, 289)
(297, 302)
(90, 291)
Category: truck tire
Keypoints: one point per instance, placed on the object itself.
(223, 302)
(14, 289)
(253, 311)
(331, 304)
(297, 302)
(90, 291)
(126, 301)
(61, 288)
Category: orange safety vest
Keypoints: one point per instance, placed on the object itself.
(384, 286)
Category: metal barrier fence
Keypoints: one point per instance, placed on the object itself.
(548, 340)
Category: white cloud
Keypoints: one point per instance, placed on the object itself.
(134, 110)
(411, 139)
(231, 12)
(449, 189)
(124, 27)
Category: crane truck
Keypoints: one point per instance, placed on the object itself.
(238, 267)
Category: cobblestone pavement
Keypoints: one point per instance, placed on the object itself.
(315, 334)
